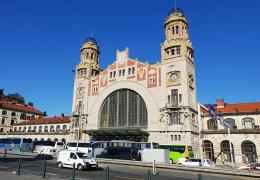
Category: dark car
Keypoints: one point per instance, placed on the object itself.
(124, 153)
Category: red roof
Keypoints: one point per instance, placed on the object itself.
(48, 120)
(241, 107)
(5, 104)
(236, 108)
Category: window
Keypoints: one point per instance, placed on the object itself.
(12, 122)
(87, 55)
(23, 116)
(212, 124)
(123, 108)
(13, 114)
(111, 74)
(172, 51)
(171, 137)
(73, 156)
(1, 130)
(3, 121)
(248, 123)
(175, 118)
(174, 96)
(91, 56)
(230, 122)
(133, 70)
(175, 137)
(173, 30)
(4, 113)
(114, 74)
(178, 50)
(179, 137)
(123, 72)
(177, 29)
(120, 71)
(180, 98)
(129, 71)
(40, 129)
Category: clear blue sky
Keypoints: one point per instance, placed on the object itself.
(40, 42)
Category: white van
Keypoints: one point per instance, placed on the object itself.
(81, 160)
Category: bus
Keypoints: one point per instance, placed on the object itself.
(16, 144)
(99, 146)
(83, 147)
(178, 151)
(42, 146)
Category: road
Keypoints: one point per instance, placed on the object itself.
(32, 166)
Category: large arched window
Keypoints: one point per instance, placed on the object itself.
(212, 124)
(248, 123)
(123, 108)
(231, 122)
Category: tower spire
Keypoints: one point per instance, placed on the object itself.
(175, 4)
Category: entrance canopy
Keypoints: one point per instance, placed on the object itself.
(118, 134)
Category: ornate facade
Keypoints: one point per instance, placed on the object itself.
(138, 101)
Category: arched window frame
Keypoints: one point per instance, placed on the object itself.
(231, 122)
(248, 123)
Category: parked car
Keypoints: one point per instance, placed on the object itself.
(81, 160)
(250, 167)
(197, 162)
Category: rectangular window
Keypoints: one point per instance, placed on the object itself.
(172, 51)
(1, 130)
(178, 50)
(175, 118)
(129, 71)
(111, 74)
(133, 70)
(3, 121)
(114, 74)
(120, 71)
(123, 72)
(12, 122)
(180, 98)
(175, 137)
(179, 137)
(174, 96)
(171, 137)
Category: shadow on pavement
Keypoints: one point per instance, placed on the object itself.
(24, 158)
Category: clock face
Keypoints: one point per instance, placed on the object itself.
(174, 77)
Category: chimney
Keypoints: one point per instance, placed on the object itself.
(220, 103)
(62, 115)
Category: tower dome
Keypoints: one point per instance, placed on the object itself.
(91, 43)
(91, 40)
(175, 11)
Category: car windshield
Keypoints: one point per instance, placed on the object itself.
(83, 155)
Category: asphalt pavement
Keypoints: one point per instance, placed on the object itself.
(32, 168)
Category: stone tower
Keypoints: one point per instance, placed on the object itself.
(86, 69)
(180, 109)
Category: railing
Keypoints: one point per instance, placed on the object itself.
(35, 133)
(232, 131)
(172, 105)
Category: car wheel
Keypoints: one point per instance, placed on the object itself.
(60, 164)
(80, 167)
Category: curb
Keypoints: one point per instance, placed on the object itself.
(181, 167)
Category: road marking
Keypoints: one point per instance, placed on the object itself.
(123, 177)
(52, 174)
